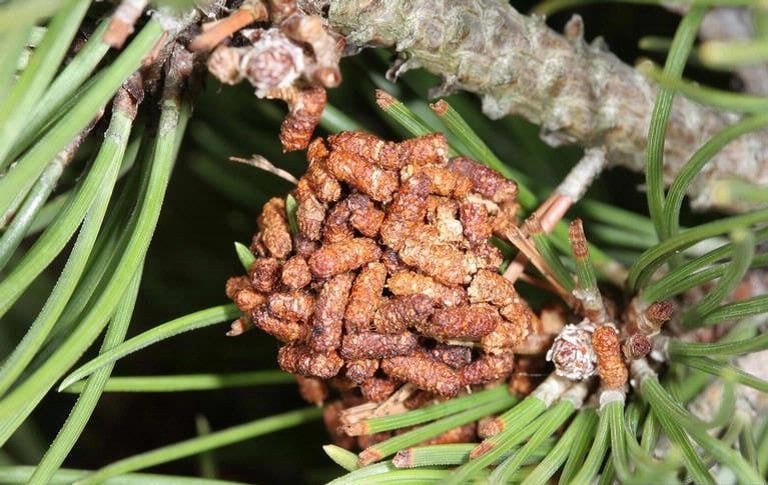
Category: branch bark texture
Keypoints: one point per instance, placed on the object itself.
(577, 92)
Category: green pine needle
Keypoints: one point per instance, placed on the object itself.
(735, 53)
(514, 432)
(364, 474)
(727, 100)
(189, 382)
(36, 77)
(245, 255)
(402, 114)
(436, 411)
(22, 176)
(738, 310)
(21, 401)
(679, 348)
(396, 443)
(102, 175)
(726, 371)
(65, 476)
(591, 464)
(344, 458)
(647, 263)
(478, 150)
(576, 452)
(556, 416)
(686, 175)
(100, 181)
(733, 273)
(193, 446)
(193, 321)
(86, 403)
(290, 211)
(673, 68)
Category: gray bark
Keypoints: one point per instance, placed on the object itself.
(577, 92)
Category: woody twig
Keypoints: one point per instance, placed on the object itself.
(578, 93)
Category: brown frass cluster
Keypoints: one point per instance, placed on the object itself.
(390, 277)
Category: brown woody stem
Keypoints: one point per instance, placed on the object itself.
(578, 93)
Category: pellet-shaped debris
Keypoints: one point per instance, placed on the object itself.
(372, 345)
(455, 356)
(247, 299)
(490, 287)
(337, 227)
(375, 280)
(359, 143)
(510, 331)
(283, 330)
(364, 216)
(437, 259)
(425, 149)
(392, 261)
(434, 202)
(425, 373)
(294, 305)
(475, 222)
(264, 274)
(300, 359)
(485, 255)
(296, 274)
(361, 369)
(488, 368)
(235, 284)
(461, 323)
(273, 224)
(337, 258)
(327, 320)
(442, 181)
(369, 179)
(312, 389)
(406, 212)
(240, 291)
(431, 148)
(304, 245)
(485, 181)
(412, 283)
(317, 150)
(378, 388)
(399, 313)
(324, 185)
(365, 297)
(442, 215)
(310, 212)
(302, 119)
(610, 363)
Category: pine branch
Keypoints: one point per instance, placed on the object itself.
(578, 93)
(729, 23)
